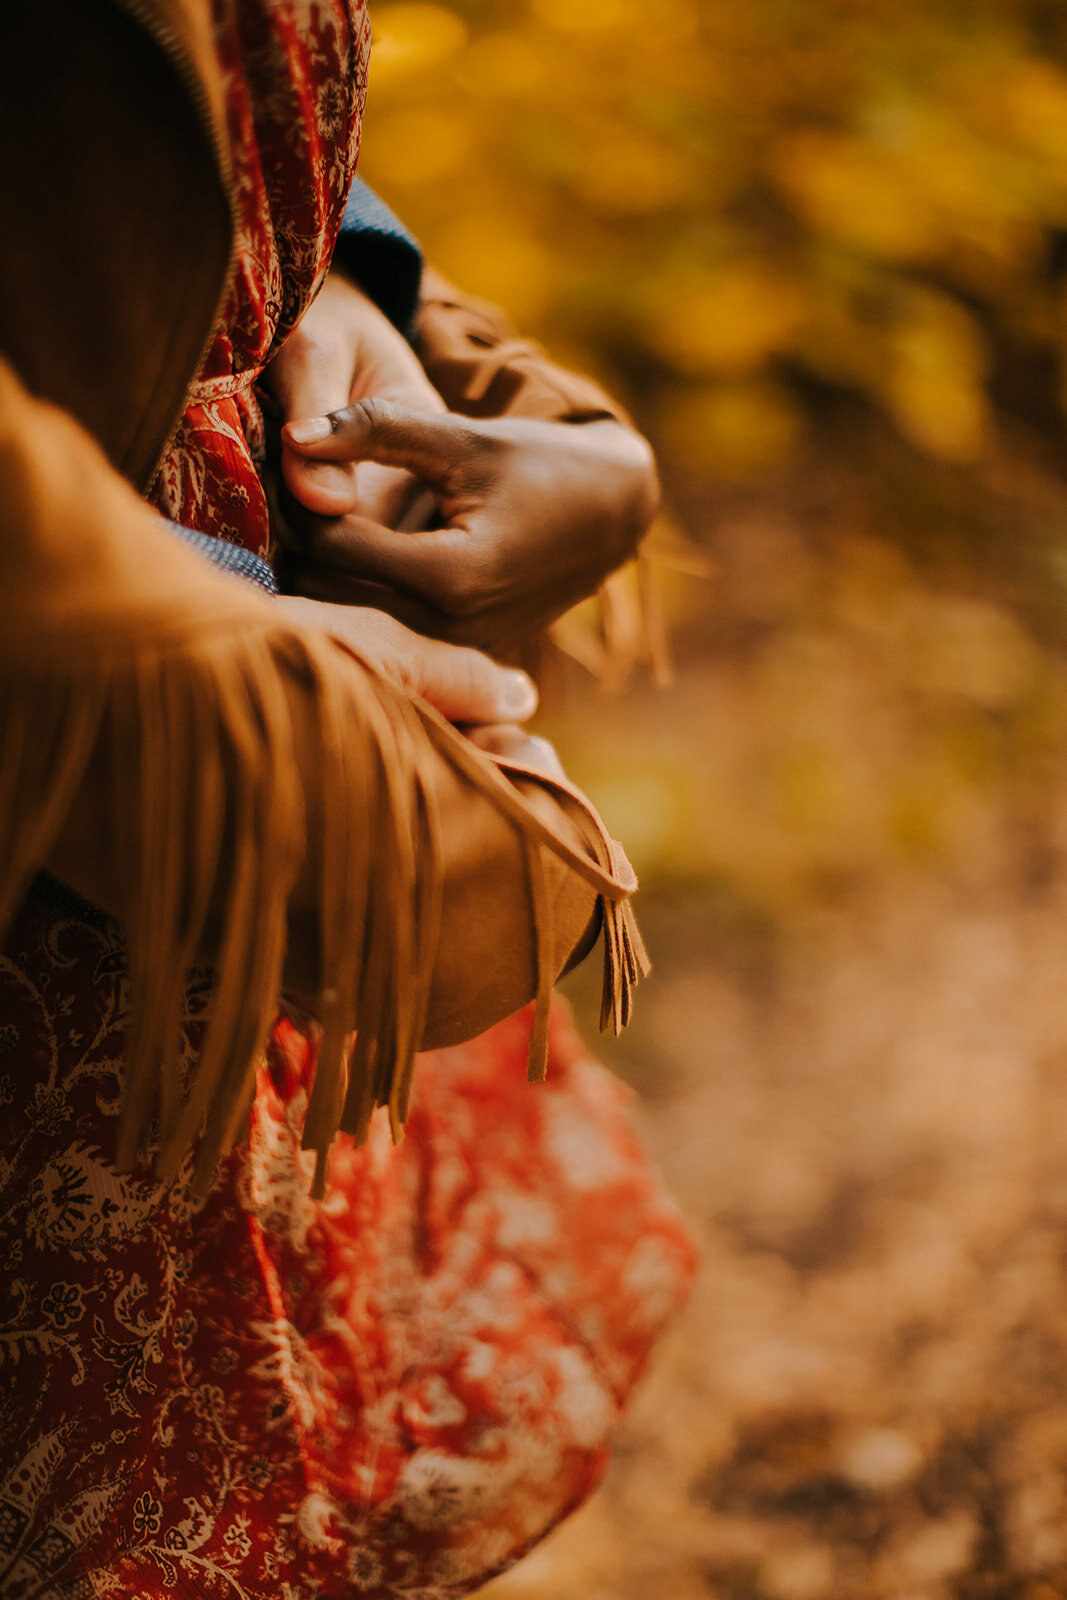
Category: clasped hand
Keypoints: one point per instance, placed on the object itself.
(527, 518)
(473, 533)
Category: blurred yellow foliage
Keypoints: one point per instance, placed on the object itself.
(731, 430)
(820, 248)
(732, 321)
(422, 146)
(856, 194)
(419, 38)
(935, 381)
(864, 194)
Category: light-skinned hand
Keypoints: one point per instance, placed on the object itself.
(344, 350)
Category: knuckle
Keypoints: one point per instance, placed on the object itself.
(308, 351)
(391, 634)
(480, 672)
(470, 680)
(300, 338)
(457, 678)
(381, 645)
(477, 458)
(370, 415)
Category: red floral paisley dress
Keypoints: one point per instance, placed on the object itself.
(394, 1391)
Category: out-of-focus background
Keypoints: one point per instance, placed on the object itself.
(820, 249)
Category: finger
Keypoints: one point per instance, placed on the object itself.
(384, 495)
(440, 566)
(314, 583)
(387, 495)
(315, 375)
(322, 487)
(466, 686)
(515, 744)
(439, 448)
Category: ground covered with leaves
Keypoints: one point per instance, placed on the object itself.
(850, 814)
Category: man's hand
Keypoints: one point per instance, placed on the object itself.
(342, 351)
(534, 515)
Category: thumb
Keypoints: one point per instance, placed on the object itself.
(466, 686)
(312, 375)
(434, 446)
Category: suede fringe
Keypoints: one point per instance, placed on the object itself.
(217, 817)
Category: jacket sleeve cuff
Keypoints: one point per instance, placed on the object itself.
(378, 253)
(229, 557)
(481, 369)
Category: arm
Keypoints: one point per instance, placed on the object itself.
(237, 787)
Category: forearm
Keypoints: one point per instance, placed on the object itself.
(235, 787)
(484, 963)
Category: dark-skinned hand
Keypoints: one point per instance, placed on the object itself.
(530, 517)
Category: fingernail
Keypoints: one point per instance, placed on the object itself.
(520, 694)
(312, 430)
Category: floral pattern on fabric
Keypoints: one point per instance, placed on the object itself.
(296, 79)
(392, 1392)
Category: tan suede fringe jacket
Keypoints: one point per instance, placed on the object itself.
(232, 787)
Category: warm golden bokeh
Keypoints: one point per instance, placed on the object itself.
(820, 248)
(748, 201)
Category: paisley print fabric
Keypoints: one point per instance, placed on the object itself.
(296, 78)
(393, 1392)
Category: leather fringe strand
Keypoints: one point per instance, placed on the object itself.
(216, 817)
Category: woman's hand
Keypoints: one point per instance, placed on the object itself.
(487, 700)
(533, 516)
(344, 350)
